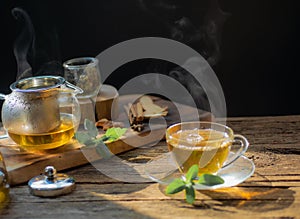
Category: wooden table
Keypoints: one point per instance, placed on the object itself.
(273, 191)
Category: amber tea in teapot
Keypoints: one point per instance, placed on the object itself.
(47, 140)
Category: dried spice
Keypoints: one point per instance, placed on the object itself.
(143, 109)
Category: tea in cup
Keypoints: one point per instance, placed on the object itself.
(206, 144)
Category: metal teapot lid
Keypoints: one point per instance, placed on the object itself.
(37, 83)
(51, 183)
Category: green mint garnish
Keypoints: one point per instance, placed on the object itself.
(92, 130)
(89, 137)
(113, 134)
(190, 194)
(192, 173)
(177, 185)
(210, 180)
(189, 180)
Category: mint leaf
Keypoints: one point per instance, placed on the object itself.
(190, 194)
(178, 184)
(210, 180)
(175, 186)
(89, 138)
(83, 138)
(91, 128)
(115, 133)
(103, 150)
(192, 173)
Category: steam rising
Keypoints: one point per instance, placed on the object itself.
(35, 54)
(201, 30)
(24, 43)
(197, 24)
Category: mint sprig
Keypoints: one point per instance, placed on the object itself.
(113, 134)
(188, 181)
(89, 137)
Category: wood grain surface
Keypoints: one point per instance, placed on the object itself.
(272, 192)
(23, 165)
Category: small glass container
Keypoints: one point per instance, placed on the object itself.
(84, 72)
(4, 186)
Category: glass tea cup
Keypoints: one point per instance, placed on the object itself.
(207, 144)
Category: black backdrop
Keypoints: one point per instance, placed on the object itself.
(257, 42)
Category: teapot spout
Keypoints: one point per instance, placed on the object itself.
(2, 96)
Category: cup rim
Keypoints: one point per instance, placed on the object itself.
(89, 60)
(193, 147)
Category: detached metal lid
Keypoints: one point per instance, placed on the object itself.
(51, 183)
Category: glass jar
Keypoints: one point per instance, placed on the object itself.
(4, 186)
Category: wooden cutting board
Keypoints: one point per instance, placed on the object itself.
(22, 165)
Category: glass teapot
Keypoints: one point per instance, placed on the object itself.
(42, 112)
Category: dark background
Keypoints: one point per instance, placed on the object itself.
(258, 42)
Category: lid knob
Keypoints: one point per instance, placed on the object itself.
(51, 183)
(50, 173)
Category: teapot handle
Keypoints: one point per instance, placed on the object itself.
(78, 90)
(2, 97)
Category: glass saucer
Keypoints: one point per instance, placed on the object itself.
(163, 170)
